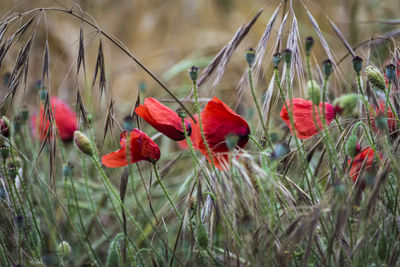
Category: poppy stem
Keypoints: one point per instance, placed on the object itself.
(250, 74)
(166, 192)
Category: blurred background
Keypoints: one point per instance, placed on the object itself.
(170, 36)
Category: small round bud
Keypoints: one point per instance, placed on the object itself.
(5, 127)
(357, 64)
(128, 124)
(381, 122)
(250, 57)
(67, 170)
(352, 146)
(142, 87)
(24, 114)
(231, 141)
(63, 250)
(5, 151)
(309, 44)
(181, 113)
(277, 58)
(327, 68)
(346, 104)
(194, 73)
(375, 77)
(202, 236)
(12, 171)
(83, 143)
(287, 56)
(314, 92)
(390, 72)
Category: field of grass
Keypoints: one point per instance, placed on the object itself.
(200, 133)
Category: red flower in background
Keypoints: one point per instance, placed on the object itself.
(163, 119)
(303, 117)
(391, 119)
(218, 121)
(64, 117)
(366, 155)
(141, 148)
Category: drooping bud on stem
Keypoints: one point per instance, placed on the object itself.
(327, 68)
(352, 146)
(83, 143)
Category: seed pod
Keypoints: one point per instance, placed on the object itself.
(375, 77)
(193, 73)
(250, 57)
(277, 58)
(231, 141)
(390, 72)
(327, 68)
(346, 104)
(357, 64)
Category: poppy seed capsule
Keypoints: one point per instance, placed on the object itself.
(83, 143)
(181, 113)
(5, 151)
(309, 44)
(390, 72)
(375, 77)
(250, 57)
(327, 68)
(193, 73)
(357, 64)
(352, 146)
(346, 104)
(314, 92)
(277, 60)
(287, 56)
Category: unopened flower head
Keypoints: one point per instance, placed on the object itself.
(375, 77)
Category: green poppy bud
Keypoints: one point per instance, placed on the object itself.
(375, 77)
(327, 68)
(357, 64)
(352, 146)
(193, 73)
(309, 44)
(250, 57)
(63, 250)
(346, 104)
(314, 92)
(381, 122)
(181, 113)
(83, 143)
(5, 151)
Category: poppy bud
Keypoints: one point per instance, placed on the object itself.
(375, 77)
(327, 68)
(5, 151)
(17, 124)
(352, 146)
(357, 64)
(24, 114)
(5, 127)
(83, 143)
(181, 113)
(128, 123)
(63, 250)
(390, 72)
(202, 237)
(309, 44)
(381, 122)
(345, 104)
(43, 95)
(287, 56)
(314, 92)
(231, 141)
(19, 222)
(277, 60)
(67, 170)
(250, 57)
(193, 73)
(12, 171)
(142, 87)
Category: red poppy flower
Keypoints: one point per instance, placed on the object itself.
(303, 117)
(64, 117)
(366, 155)
(163, 119)
(391, 120)
(218, 121)
(141, 148)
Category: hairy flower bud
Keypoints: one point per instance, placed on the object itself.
(83, 143)
(314, 92)
(352, 146)
(375, 77)
(345, 104)
(63, 250)
(5, 151)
